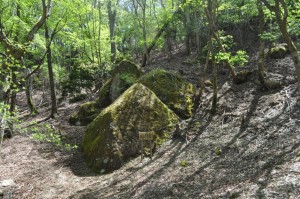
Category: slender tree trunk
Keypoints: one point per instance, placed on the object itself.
(261, 52)
(30, 104)
(13, 96)
(198, 42)
(211, 14)
(51, 75)
(188, 29)
(112, 22)
(146, 56)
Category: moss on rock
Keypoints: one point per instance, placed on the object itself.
(87, 113)
(120, 83)
(104, 99)
(242, 76)
(123, 76)
(127, 67)
(173, 90)
(112, 138)
(278, 52)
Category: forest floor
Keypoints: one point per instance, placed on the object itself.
(249, 149)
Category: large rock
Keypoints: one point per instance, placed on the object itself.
(87, 113)
(124, 75)
(127, 67)
(112, 138)
(173, 90)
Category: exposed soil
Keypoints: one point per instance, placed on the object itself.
(249, 149)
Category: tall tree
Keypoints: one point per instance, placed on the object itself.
(261, 52)
(112, 12)
(16, 47)
(211, 17)
(50, 72)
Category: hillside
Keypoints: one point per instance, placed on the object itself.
(249, 149)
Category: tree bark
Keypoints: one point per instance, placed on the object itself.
(30, 103)
(112, 22)
(261, 52)
(188, 29)
(51, 75)
(211, 15)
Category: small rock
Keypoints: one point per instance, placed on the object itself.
(7, 183)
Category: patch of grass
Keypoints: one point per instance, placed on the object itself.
(44, 133)
(218, 151)
(184, 163)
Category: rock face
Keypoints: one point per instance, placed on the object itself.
(173, 90)
(112, 138)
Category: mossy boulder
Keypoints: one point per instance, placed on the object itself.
(112, 138)
(278, 52)
(104, 99)
(124, 75)
(87, 113)
(127, 67)
(172, 89)
(120, 83)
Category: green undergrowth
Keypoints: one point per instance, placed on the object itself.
(45, 133)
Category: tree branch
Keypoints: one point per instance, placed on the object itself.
(42, 20)
(55, 31)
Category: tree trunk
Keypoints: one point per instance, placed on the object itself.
(157, 36)
(30, 104)
(112, 22)
(188, 29)
(211, 15)
(13, 97)
(261, 52)
(51, 75)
